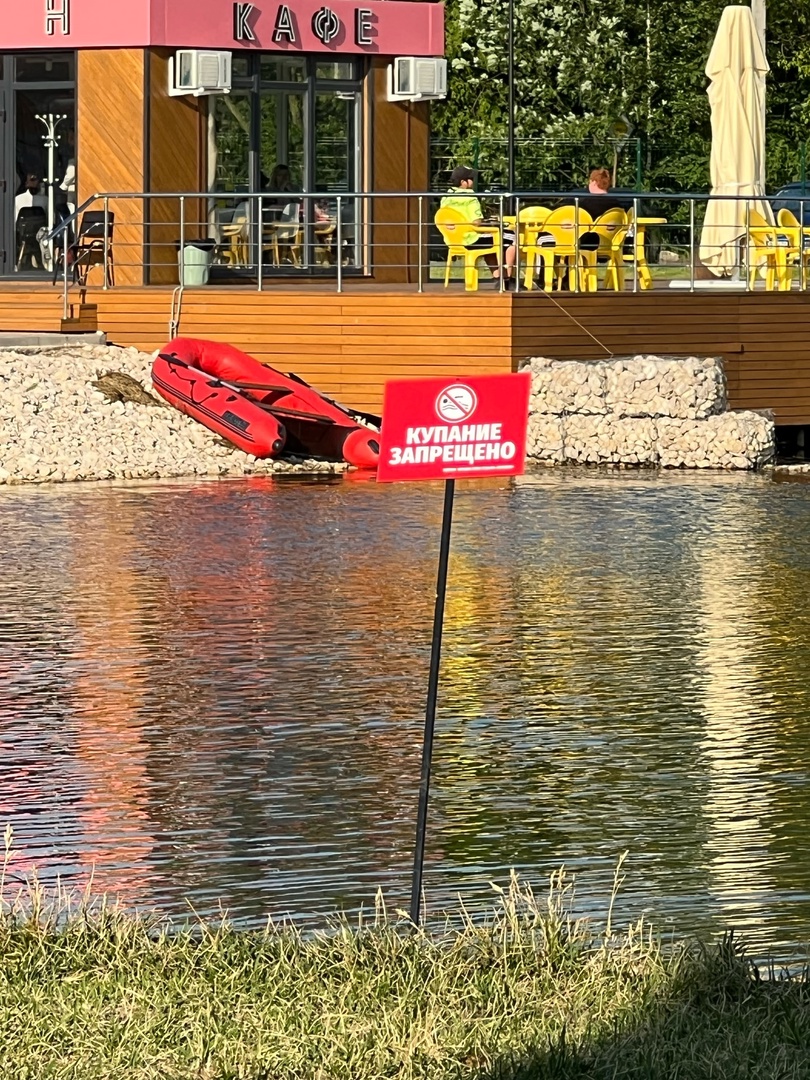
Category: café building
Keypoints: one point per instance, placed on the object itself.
(217, 98)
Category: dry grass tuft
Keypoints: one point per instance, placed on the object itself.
(89, 991)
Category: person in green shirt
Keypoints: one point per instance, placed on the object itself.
(460, 198)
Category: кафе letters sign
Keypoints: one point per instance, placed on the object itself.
(444, 429)
(326, 25)
(377, 27)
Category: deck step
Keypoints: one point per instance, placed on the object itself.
(83, 319)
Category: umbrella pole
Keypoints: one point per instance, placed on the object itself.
(759, 12)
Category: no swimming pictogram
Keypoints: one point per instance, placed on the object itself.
(456, 404)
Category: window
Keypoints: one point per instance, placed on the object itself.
(334, 71)
(290, 127)
(293, 69)
(45, 67)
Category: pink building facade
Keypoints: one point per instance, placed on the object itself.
(86, 108)
(366, 28)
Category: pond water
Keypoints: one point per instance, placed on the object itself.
(212, 694)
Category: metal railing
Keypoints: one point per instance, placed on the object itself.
(257, 239)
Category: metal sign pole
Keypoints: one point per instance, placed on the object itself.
(510, 78)
(432, 694)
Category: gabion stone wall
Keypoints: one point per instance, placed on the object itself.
(642, 410)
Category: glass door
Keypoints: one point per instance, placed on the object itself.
(229, 170)
(336, 158)
(290, 130)
(6, 182)
(45, 152)
(37, 156)
(284, 176)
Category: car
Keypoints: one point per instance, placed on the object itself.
(794, 197)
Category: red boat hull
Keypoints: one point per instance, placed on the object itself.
(215, 406)
(313, 423)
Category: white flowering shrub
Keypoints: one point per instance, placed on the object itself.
(570, 71)
(581, 65)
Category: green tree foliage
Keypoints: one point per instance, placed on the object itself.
(583, 65)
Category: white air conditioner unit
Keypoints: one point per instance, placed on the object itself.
(417, 78)
(196, 72)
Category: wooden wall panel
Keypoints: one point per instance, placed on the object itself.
(30, 309)
(110, 147)
(400, 151)
(176, 133)
(775, 362)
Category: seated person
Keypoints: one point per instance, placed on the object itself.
(595, 202)
(31, 195)
(598, 199)
(459, 198)
(68, 184)
(321, 213)
(280, 183)
(30, 217)
(324, 228)
(280, 179)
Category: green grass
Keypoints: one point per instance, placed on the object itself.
(92, 992)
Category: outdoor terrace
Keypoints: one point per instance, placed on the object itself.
(381, 310)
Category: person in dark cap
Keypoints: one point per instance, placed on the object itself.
(460, 198)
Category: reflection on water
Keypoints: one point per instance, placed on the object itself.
(741, 735)
(213, 693)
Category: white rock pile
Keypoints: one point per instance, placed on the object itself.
(642, 410)
(56, 426)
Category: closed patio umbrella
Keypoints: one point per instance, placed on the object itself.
(737, 68)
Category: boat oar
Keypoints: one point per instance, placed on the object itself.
(309, 416)
(262, 386)
(284, 410)
(213, 380)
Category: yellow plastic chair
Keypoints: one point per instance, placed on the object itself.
(286, 235)
(765, 252)
(612, 228)
(530, 224)
(567, 224)
(236, 232)
(324, 237)
(790, 227)
(638, 254)
(453, 226)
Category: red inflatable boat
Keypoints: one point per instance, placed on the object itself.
(293, 410)
(219, 407)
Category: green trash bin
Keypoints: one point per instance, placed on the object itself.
(196, 262)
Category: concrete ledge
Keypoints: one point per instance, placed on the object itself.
(715, 285)
(12, 339)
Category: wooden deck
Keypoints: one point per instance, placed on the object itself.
(348, 344)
